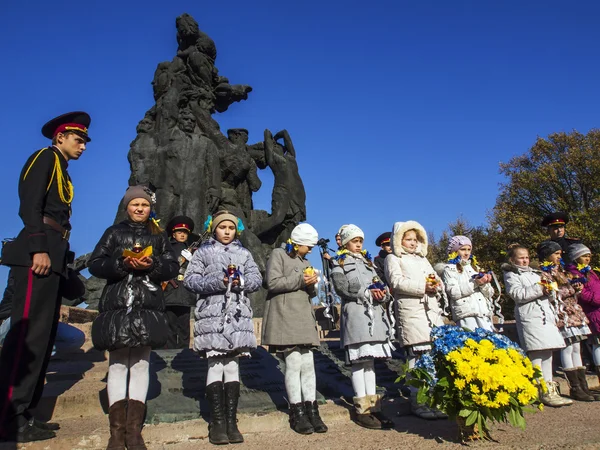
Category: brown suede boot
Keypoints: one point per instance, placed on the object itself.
(117, 418)
(136, 412)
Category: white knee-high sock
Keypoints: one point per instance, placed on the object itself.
(215, 370)
(370, 384)
(358, 379)
(293, 366)
(139, 373)
(308, 379)
(231, 370)
(566, 357)
(116, 384)
(543, 359)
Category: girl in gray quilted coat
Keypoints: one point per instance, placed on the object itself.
(221, 273)
(289, 325)
(366, 329)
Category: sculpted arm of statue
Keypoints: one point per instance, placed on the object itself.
(257, 152)
(254, 182)
(287, 142)
(269, 151)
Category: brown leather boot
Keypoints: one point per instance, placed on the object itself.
(136, 412)
(117, 418)
(584, 384)
(576, 391)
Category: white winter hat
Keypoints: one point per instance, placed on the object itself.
(339, 233)
(349, 232)
(305, 234)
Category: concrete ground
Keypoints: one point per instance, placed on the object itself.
(568, 427)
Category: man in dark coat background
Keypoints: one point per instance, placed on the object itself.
(382, 241)
(555, 224)
(178, 300)
(38, 259)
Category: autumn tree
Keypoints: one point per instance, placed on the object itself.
(559, 173)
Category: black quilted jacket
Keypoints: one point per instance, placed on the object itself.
(144, 324)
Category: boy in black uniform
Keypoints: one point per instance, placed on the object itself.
(38, 259)
(178, 299)
(383, 241)
(555, 224)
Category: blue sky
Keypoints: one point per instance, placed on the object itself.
(398, 110)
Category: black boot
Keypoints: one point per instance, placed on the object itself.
(584, 384)
(217, 429)
(299, 420)
(46, 425)
(576, 393)
(312, 412)
(232, 394)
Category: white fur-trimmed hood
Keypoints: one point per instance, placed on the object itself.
(398, 232)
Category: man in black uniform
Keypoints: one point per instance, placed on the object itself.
(178, 299)
(38, 259)
(382, 241)
(555, 225)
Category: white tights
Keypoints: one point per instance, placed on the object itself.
(132, 362)
(223, 369)
(363, 378)
(543, 359)
(300, 378)
(570, 356)
(596, 354)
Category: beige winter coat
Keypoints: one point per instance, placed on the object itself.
(418, 313)
(289, 317)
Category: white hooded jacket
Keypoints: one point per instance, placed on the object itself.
(407, 274)
(466, 298)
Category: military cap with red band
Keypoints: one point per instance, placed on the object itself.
(556, 218)
(76, 122)
(383, 238)
(180, 223)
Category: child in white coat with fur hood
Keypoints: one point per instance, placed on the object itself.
(417, 289)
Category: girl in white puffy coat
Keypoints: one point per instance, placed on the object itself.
(417, 289)
(469, 291)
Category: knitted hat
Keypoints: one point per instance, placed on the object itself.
(304, 234)
(546, 248)
(133, 192)
(222, 217)
(339, 233)
(457, 242)
(349, 232)
(576, 250)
